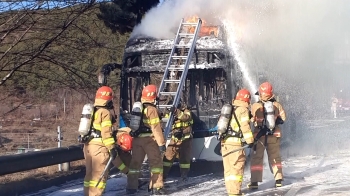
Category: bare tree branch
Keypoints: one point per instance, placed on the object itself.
(14, 108)
(16, 41)
(14, 27)
(46, 44)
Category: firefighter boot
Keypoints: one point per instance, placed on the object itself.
(142, 183)
(252, 185)
(184, 177)
(182, 180)
(278, 183)
(130, 191)
(157, 191)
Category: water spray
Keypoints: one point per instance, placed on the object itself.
(235, 50)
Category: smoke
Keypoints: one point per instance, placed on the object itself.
(293, 39)
(162, 21)
(301, 47)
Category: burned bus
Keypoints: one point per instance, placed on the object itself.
(212, 80)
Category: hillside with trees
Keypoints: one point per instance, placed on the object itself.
(50, 55)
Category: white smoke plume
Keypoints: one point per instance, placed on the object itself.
(163, 21)
(302, 47)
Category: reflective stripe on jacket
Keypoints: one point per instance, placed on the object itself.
(103, 123)
(183, 123)
(243, 116)
(152, 121)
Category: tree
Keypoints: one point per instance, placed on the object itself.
(26, 37)
(53, 51)
(123, 15)
(51, 46)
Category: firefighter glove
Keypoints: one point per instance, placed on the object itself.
(134, 133)
(251, 145)
(178, 135)
(162, 149)
(113, 152)
(279, 121)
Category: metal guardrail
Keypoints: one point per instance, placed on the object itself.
(33, 160)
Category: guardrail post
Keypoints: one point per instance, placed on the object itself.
(66, 166)
(63, 166)
(59, 144)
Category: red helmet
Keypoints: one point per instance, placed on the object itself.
(243, 95)
(265, 90)
(104, 96)
(104, 93)
(125, 142)
(149, 93)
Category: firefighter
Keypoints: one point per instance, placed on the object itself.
(267, 115)
(334, 106)
(148, 140)
(124, 141)
(235, 134)
(100, 144)
(181, 142)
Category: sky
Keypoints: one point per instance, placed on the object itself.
(6, 5)
(14, 5)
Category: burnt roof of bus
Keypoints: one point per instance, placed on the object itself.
(209, 38)
(161, 68)
(154, 53)
(148, 44)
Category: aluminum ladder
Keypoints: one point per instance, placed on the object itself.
(171, 68)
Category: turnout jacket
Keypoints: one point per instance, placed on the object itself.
(183, 122)
(243, 116)
(258, 115)
(102, 122)
(152, 121)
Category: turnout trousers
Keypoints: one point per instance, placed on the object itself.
(145, 146)
(122, 161)
(272, 147)
(233, 165)
(96, 158)
(182, 149)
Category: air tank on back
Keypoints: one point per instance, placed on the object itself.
(136, 115)
(85, 120)
(225, 117)
(270, 115)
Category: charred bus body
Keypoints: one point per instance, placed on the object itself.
(212, 80)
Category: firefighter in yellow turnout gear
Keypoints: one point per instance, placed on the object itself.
(181, 142)
(267, 121)
(100, 145)
(235, 136)
(124, 141)
(148, 140)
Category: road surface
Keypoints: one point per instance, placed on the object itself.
(317, 163)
